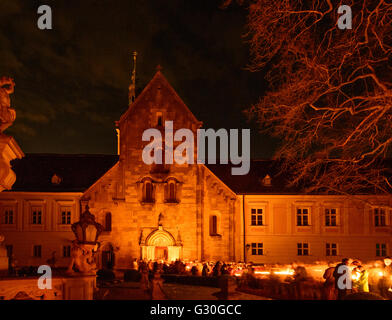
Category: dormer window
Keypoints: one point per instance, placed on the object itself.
(56, 179)
(266, 181)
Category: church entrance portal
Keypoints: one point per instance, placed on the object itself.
(161, 253)
(160, 245)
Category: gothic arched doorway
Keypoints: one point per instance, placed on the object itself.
(108, 257)
(160, 245)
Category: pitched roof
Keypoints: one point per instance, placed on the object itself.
(255, 181)
(77, 172)
(60, 172)
(157, 80)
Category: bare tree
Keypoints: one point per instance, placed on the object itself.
(330, 94)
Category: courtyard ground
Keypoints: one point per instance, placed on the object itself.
(131, 291)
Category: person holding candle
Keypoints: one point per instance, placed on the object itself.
(360, 279)
(386, 280)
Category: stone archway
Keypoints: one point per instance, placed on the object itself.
(161, 245)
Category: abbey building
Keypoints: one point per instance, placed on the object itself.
(180, 211)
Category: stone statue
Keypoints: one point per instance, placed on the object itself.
(82, 259)
(4, 262)
(7, 114)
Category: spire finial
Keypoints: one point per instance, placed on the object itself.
(132, 87)
(159, 68)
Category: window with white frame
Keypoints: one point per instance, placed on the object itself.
(302, 217)
(8, 216)
(66, 251)
(257, 249)
(380, 218)
(36, 215)
(331, 249)
(330, 217)
(381, 249)
(66, 215)
(37, 251)
(257, 217)
(302, 249)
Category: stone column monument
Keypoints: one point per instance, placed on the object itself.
(3, 257)
(80, 282)
(9, 149)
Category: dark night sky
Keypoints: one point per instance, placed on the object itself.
(72, 81)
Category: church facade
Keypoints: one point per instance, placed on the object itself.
(180, 211)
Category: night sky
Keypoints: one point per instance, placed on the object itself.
(72, 81)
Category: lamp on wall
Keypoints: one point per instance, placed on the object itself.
(247, 246)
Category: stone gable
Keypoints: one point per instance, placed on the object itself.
(162, 227)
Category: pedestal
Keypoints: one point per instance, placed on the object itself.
(9, 150)
(228, 288)
(3, 260)
(3, 257)
(79, 287)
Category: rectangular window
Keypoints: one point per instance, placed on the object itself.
(37, 251)
(159, 119)
(331, 249)
(65, 217)
(36, 216)
(302, 249)
(379, 217)
(302, 217)
(214, 226)
(381, 249)
(256, 217)
(8, 216)
(330, 217)
(66, 251)
(257, 249)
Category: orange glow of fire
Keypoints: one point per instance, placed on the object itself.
(262, 272)
(285, 272)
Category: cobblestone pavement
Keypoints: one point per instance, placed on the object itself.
(123, 291)
(131, 291)
(187, 292)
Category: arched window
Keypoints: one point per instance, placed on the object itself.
(108, 221)
(213, 225)
(172, 192)
(148, 192)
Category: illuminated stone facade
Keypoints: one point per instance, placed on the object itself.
(194, 212)
(148, 219)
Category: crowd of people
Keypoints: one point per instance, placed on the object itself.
(195, 268)
(355, 277)
(375, 277)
